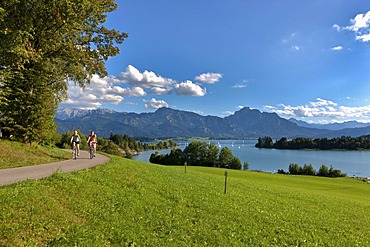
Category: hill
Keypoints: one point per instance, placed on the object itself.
(129, 203)
(15, 154)
(169, 123)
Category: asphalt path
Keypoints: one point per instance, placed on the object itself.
(13, 175)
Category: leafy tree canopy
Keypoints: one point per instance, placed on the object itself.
(43, 45)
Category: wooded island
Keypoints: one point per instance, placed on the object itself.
(339, 143)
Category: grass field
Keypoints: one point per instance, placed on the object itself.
(129, 203)
(15, 154)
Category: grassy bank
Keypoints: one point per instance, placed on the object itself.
(129, 203)
(15, 154)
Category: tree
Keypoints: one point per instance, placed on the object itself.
(246, 166)
(310, 170)
(294, 169)
(44, 44)
(175, 158)
(323, 171)
(65, 140)
(264, 142)
(225, 157)
(196, 153)
(212, 155)
(235, 163)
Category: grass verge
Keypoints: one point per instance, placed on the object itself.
(129, 203)
(15, 154)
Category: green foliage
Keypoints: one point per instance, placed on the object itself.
(235, 163)
(264, 142)
(65, 140)
(176, 158)
(225, 157)
(340, 143)
(110, 148)
(43, 45)
(130, 203)
(196, 153)
(323, 171)
(296, 169)
(246, 166)
(199, 153)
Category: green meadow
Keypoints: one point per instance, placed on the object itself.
(130, 203)
(16, 154)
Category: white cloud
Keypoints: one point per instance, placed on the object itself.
(269, 107)
(337, 27)
(131, 83)
(360, 25)
(155, 104)
(132, 92)
(337, 48)
(210, 78)
(82, 104)
(363, 37)
(189, 88)
(322, 102)
(323, 110)
(160, 90)
(360, 21)
(240, 85)
(98, 92)
(112, 99)
(146, 79)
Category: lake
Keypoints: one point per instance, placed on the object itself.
(354, 163)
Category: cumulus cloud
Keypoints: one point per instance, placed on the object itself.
(132, 83)
(133, 92)
(189, 88)
(155, 104)
(210, 78)
(98, 92)
(324, 110)
(146, 79)
(360, 25)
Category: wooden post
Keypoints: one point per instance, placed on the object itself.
(185, 164)
(226, 173)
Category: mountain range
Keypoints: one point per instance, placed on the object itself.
(331, 126)
(170, 123)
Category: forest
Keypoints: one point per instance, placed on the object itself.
(338, 143)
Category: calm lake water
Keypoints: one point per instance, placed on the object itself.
(354, 163)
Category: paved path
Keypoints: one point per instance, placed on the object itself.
(13, 175)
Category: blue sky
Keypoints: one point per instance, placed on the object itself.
(307, 59)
